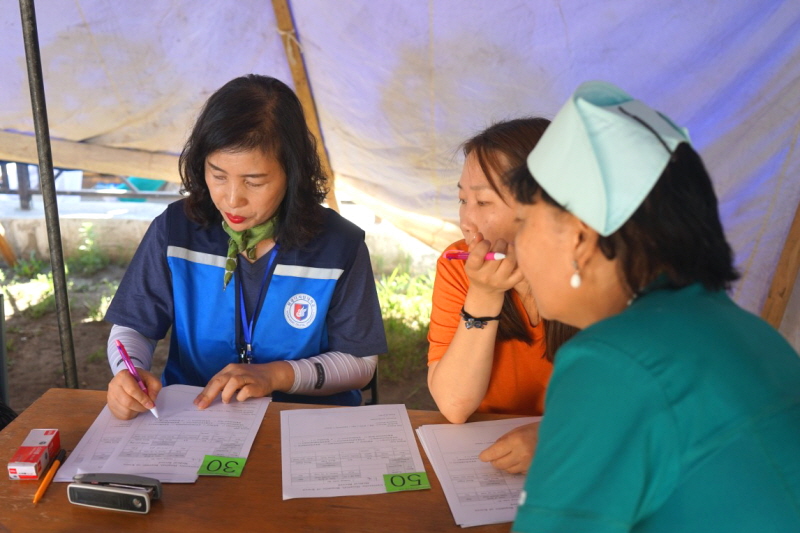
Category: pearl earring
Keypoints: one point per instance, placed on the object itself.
(575, 279)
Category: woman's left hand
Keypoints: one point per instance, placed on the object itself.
(246, 381)
(513, 452)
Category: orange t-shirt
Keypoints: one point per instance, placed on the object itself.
(519, 373)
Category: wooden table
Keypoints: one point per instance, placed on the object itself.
(252, 502)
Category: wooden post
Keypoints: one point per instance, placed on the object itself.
(785, 275)
(291, 44)
(24, 186)
(4, 185)
(91, 157)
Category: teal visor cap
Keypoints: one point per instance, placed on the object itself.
(603, 153)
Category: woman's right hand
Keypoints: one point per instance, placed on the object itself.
(491, 277)
(513, 452)
(459, 380)
(126, 399)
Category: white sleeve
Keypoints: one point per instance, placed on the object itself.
(331, 372)
(139, 348)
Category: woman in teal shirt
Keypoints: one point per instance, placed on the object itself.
(673, 410)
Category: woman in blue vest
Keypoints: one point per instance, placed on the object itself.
(266, 291)
(672, 409)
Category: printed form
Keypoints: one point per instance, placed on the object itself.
(170, 448)
(345, 451)
(477, 493)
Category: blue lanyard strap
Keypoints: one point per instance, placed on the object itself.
(246, 355)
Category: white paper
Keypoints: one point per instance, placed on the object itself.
(96, 446)
(170, 448)
(477, 493)
(345, 451)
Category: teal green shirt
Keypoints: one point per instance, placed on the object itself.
(680, 414)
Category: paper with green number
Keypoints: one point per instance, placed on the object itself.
(410, 481)
(215, 465)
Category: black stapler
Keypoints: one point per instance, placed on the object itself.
(117, 492)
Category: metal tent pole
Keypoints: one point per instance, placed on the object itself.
(47, 181)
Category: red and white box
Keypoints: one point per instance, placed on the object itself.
(35, 453)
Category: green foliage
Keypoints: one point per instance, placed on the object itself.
(43, 284)
(98, 355)
(96, 312)
(405, 302)
(29, 268)
(406, 298)
(381, 265)
(89, 259)
(42, 307)
(408, 349)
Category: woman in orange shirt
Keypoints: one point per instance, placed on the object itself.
(489, 349)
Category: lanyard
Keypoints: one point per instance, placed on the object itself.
(246, 353)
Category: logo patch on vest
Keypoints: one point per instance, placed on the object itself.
(300, 311)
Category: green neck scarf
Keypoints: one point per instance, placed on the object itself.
(244, 241)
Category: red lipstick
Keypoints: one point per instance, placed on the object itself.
(233, 219)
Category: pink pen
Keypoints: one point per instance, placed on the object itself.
(459, 254)
(132, 369)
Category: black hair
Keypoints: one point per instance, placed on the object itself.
(501, 146)
(258, 112)
(675, 232)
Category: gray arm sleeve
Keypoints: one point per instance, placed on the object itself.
(331, 372)
(139, 348)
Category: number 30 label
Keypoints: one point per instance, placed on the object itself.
(411, 481)
(214, 465)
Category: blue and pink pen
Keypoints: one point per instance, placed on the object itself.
(132, 369)
(460, 254)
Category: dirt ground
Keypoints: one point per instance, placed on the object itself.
(35, 364)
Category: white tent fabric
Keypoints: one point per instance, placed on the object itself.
(399, 84)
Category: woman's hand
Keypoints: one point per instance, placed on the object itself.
(513, 452)
(126, 399)
(459, 380)
(246, 381)
(491, 277)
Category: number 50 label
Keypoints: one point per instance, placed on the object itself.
(214, 465)
(410, 481)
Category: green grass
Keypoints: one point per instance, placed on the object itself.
(95, 311)
(29, 268)
(405, 302)
(36, 277)
(98, 355)
(86, 261)
(42, 285)
(89, 259)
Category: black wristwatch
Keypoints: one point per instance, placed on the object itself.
(476, 321)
